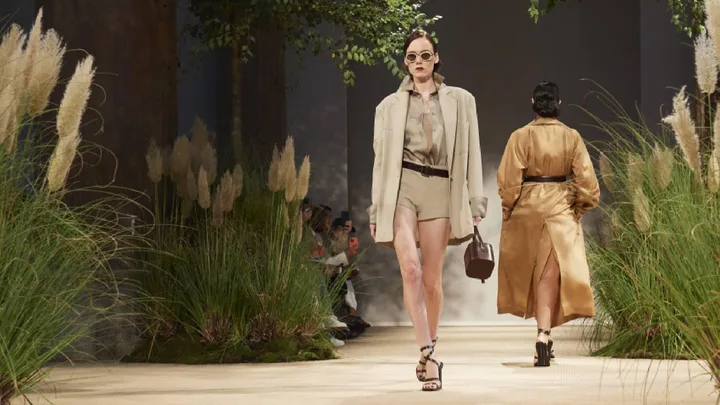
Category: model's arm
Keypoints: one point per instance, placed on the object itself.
(478, 201)
(584, 180)
(377, 139)
(510, 174)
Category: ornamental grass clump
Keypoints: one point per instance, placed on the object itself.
(655, 270)
(239, 275)
(57, 283)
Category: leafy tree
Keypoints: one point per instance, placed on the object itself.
(369, 32)
(687, 15)
(372, 31)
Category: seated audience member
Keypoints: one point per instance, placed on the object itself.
(321, 223)
(343, 241)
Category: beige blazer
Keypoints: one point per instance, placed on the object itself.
(465, 164)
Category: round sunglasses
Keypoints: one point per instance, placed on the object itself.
(425, 56)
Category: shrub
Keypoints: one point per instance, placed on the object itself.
(238, 275)
(55, 273)
(655, 268)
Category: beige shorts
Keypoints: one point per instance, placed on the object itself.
(428, 197)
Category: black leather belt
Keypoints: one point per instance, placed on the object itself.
(426, 171)
(545, 179)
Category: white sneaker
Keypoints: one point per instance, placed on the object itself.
(333, 322)
(336, 342)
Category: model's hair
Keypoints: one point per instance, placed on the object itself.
(546, 98)
(416, 35)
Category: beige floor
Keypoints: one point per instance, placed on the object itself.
(484, 365)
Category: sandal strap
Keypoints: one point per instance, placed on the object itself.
(431, 351)
(544, 331)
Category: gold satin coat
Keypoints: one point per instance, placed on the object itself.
(540, 217)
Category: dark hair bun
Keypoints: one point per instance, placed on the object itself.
(546, 98)
(546, 108)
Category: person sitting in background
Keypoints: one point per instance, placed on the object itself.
(343, 240)
(320, 226)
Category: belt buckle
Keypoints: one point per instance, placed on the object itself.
(425, 171)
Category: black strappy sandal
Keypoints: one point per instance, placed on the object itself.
(433, 384)
(550, 345)
(542, 351)
(420, 370)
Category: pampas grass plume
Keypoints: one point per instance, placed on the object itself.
(74, 101)
(682, 124)
(641, 210)
(61, 162)
(203, 189)
(663, 161)
(45, 73)
(274, 171)
(303, 182)
(706, 64)
(154, 161)
(237, 180)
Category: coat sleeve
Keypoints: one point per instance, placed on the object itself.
(510, 174)
(478, 201)
(377, 164)
(584, 180)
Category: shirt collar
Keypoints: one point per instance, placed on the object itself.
(409, 86)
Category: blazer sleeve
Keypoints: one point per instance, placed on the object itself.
(377, 164)
(478, 201)
(510, 174)
(584, 179)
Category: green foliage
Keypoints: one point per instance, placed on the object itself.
(233, 283)
(58, 287)
(688, 16)
(371, 31)
(191, 349)
(655, 266)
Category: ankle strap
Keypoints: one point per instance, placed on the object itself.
(544, 331)
(431, 349)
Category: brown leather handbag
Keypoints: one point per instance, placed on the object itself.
(479, 258)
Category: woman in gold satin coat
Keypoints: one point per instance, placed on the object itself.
(546, 182)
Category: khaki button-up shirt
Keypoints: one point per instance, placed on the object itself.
(424, 129)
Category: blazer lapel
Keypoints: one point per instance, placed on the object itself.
(448, 105)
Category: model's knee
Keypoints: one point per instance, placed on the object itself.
(432, 287)
(411, 271)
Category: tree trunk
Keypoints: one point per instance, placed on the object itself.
(263, 81)
(237, 105)
(134, 96)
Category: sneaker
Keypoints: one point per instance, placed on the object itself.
(336, 342)
(334, 323)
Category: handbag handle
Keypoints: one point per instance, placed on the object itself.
(477, 234)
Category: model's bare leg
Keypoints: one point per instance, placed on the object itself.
(547, 294)
(548, 289)
(433, 243)
(405, 247)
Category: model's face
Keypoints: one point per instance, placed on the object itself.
(420, 58)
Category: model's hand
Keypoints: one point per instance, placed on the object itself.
(372, 231)
(476, 220)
